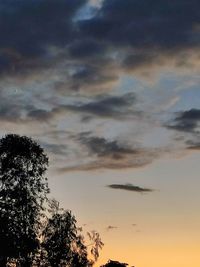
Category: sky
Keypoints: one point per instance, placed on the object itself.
(110, 90)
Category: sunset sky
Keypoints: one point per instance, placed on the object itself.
(110, 89)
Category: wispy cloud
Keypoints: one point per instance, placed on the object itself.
(100, 153)
(106, 106)
(112, 106)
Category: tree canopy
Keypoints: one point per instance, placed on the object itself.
(112, 263)
(31, 234)
(61, 242)
(23, 190)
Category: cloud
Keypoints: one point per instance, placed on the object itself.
(40, 114)
(130, 187)
(66, 57)
(193, 145)
(108, 106)
(100, 153)
(37, 24)
(57, 149)
(46, 44)
(51, 40)
(186, 121)
(99, 74)
(145, 24)
(137, 60)
(86, 49)
(12, 107)
(104, 148)
(146, 32)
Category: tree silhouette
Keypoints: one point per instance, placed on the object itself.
(111, 263)
(23, 191)
(32, 235)
(62, 242)
(96, 244)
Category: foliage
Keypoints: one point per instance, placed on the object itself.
(59, 237)
(23, 191)
(62, 243)
(111, 263)
(33, 236)
(96, 244)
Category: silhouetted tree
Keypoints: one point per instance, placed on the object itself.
(111, 263)
(23, 191)
(62, 243)
(96, 244)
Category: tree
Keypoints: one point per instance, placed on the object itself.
(23, 190)
(111, 263)
(62, 243)
(96, 244)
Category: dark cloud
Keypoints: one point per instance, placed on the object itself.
(29, 28)
(43, 115)
(104, 148)
(139, 59)
(146, 32)
(15, 110)
(186, 121)
(96, 74)
(10, 113)
(58, 149)
(42, 36)
(193, 145)
(164, 24)
(5, 61)
(130, 187)
(100, 153)
(40, 114)
(86, 48)
(130, 33)
(12, 107)
(102, 106)
(108, 106)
